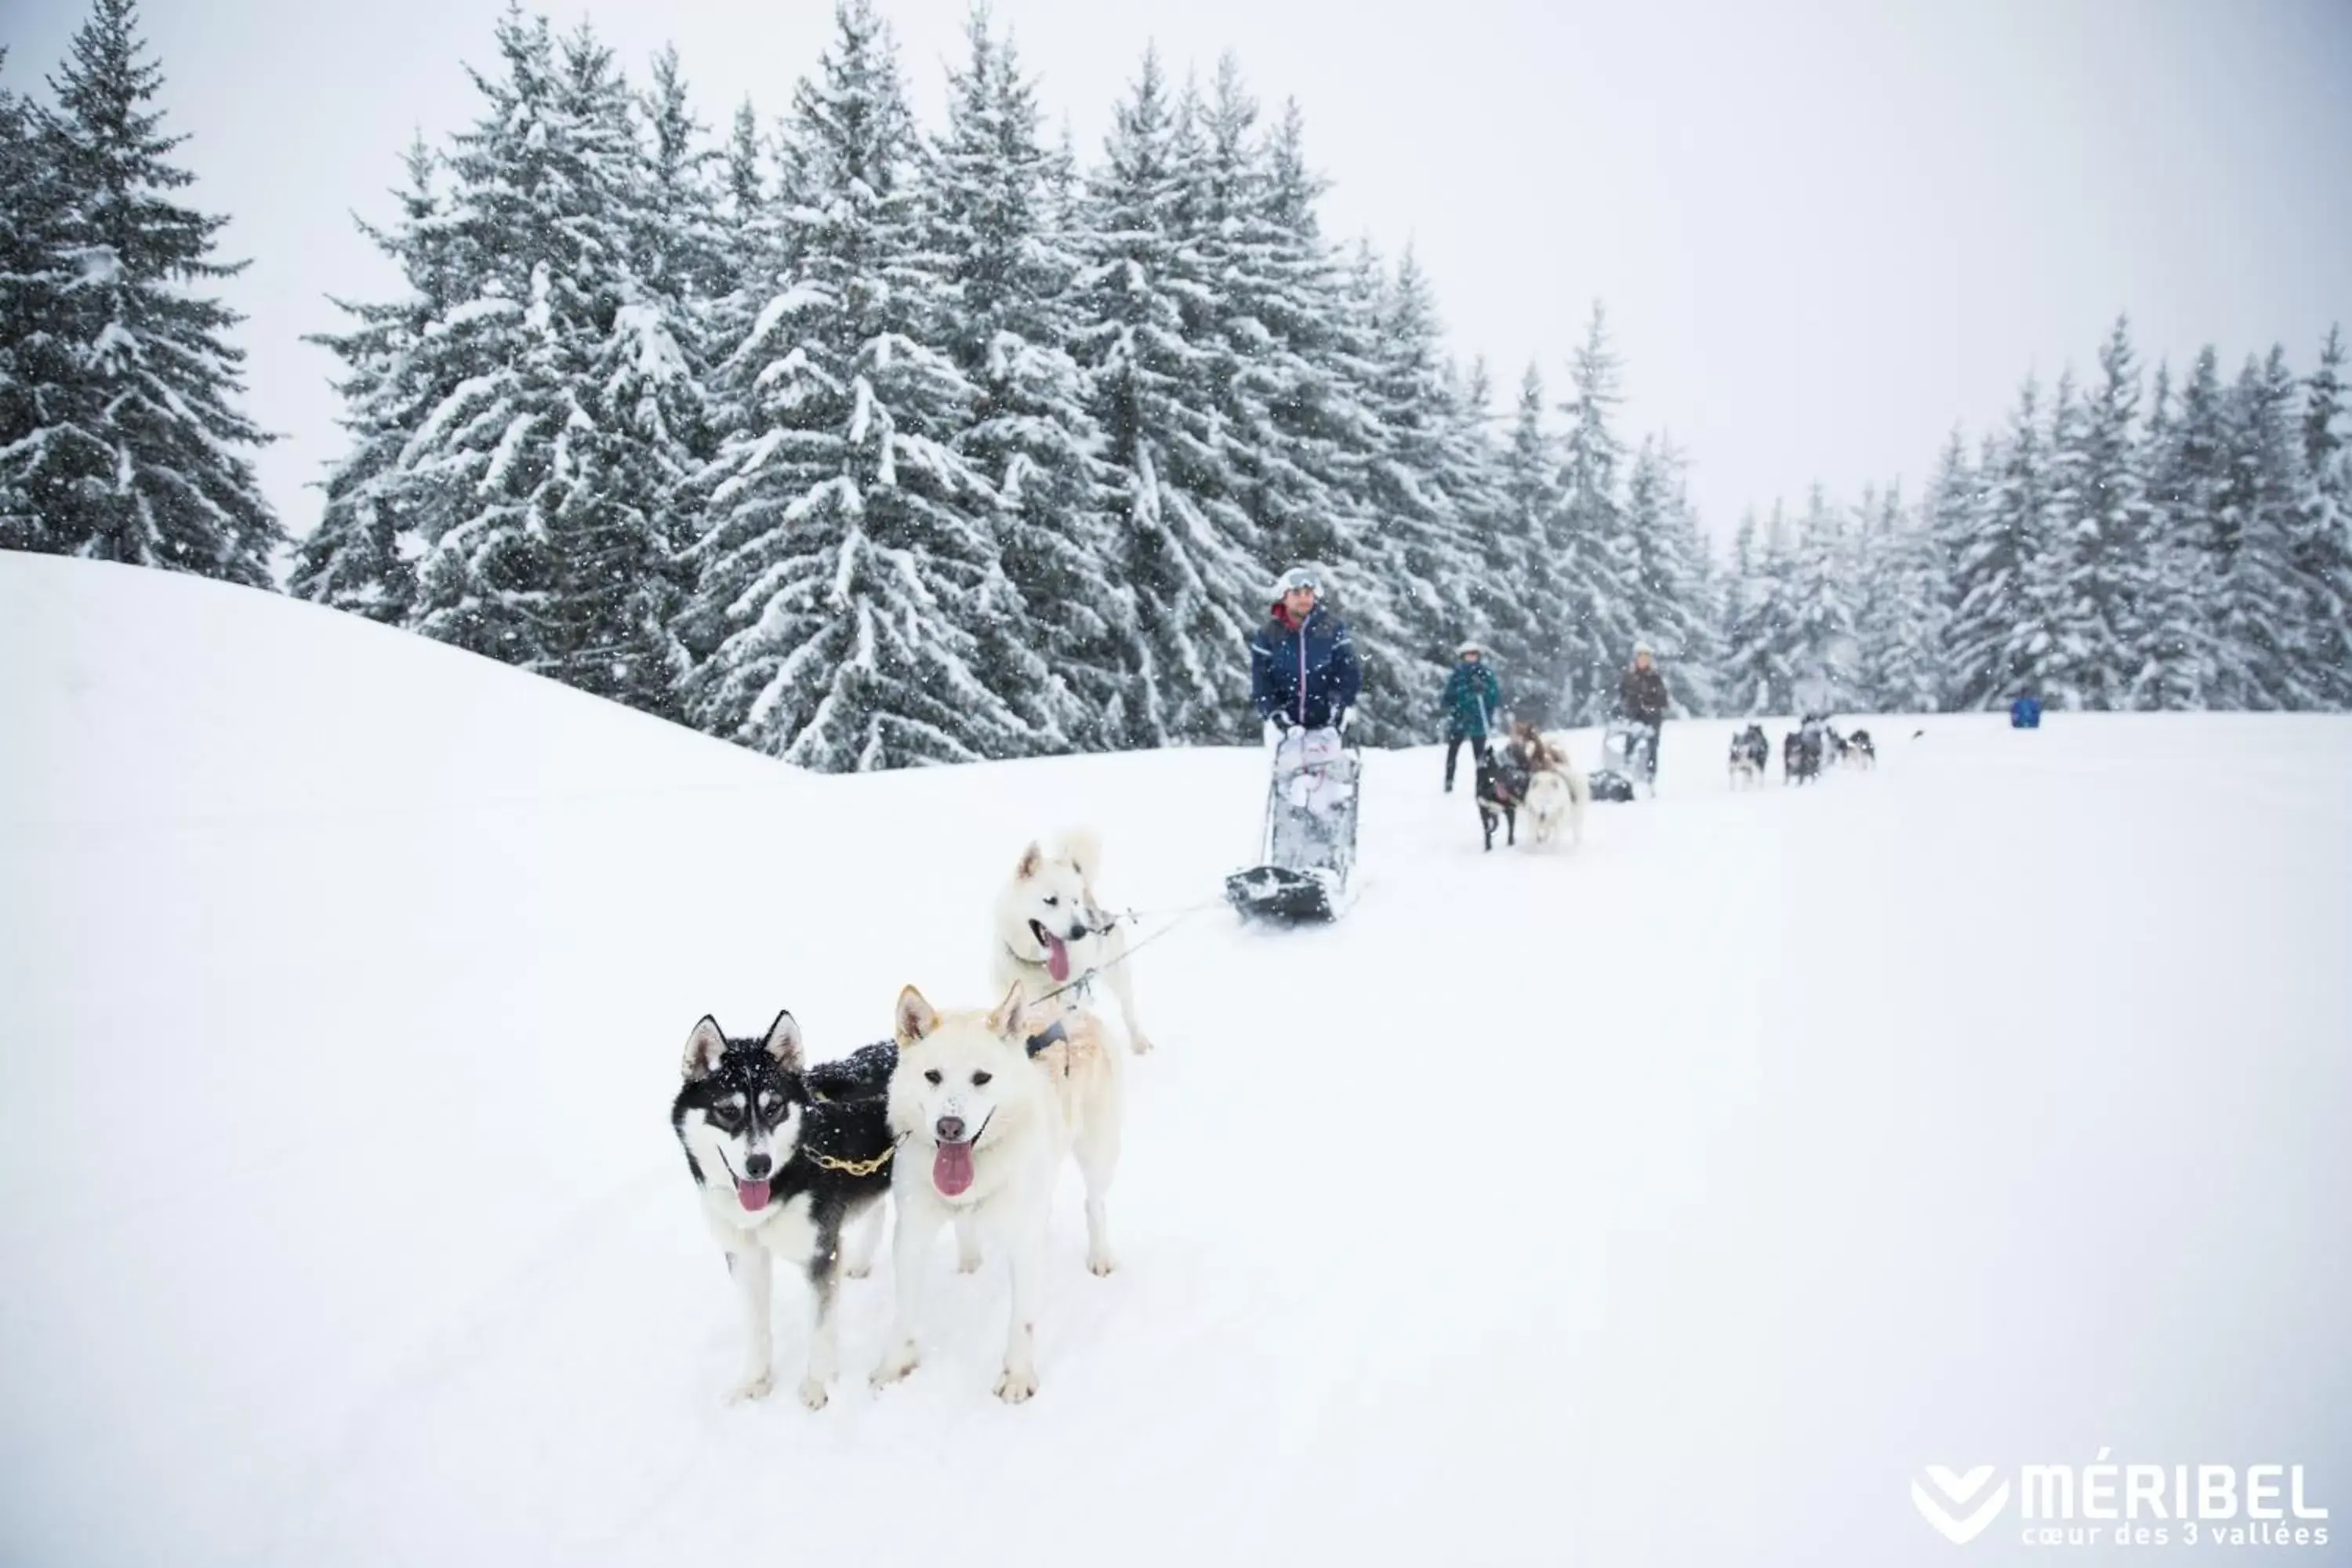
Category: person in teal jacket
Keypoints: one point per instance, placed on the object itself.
(1473, 698)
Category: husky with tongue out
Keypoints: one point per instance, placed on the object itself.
(784, 1177)
(987, 1104)
(1050, 931)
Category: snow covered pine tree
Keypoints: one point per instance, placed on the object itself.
(851, 575)
(119, 439)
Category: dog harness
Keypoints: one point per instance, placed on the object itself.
(854, 1167)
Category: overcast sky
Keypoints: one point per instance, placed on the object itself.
(1824, 233)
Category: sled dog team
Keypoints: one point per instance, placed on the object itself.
(1531, 774)
(1803, 753)
(963, 1118)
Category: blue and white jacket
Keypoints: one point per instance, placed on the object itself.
(1307, 671)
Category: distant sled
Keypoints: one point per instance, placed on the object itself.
(1629, 760)
(1308, 847)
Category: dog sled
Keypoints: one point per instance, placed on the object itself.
(1629, 757)
(1307, 851)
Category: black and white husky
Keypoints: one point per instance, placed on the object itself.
(784, 1176)
(1500, 786)
(1750, 751)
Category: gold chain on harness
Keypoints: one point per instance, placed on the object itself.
(855, 1167)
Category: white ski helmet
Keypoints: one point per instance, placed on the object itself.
(1298, 577)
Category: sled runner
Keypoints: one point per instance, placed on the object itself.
(1629, 757)
(1309, 844)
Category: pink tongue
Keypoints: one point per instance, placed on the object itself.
(753, 1195)
(1058, 958)
(951, 1168)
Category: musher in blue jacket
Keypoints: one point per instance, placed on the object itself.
(1303, 669)
(1472, 701)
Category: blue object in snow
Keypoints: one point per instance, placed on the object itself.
(2025, 713)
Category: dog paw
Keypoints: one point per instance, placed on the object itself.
(812, 1393)
(1140, 1045)
(859, 1271)
(754, 1387)
(1099, 1264)
(893, 1366)
(967, 1262)
(1016, 1387)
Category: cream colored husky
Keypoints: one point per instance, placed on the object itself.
(1556, 792)
(986, 1104)
(1051, 931)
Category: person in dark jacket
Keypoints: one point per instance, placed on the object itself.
(1473, 697)
(1642, 697)
(1303, 669)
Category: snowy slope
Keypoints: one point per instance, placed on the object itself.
(1671, 1202)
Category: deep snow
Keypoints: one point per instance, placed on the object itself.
(1672, 1201)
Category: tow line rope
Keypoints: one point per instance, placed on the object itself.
(1181, 913)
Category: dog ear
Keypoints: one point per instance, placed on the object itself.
(1031, 859)
(1006, 1020)
(784, 1041)
(916, 1017)
(1081, 847)
(704, 1047)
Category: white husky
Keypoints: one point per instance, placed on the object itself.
(985, 1107)
(1556, 793)
(1050, 929)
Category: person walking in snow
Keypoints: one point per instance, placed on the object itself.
(1303, 669)
(1473, 697)
(1642, 697)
